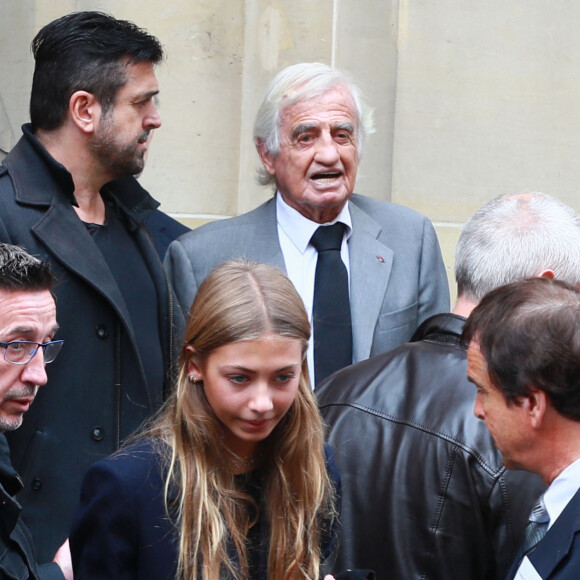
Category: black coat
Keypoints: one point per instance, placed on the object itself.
(425, 494)
(83, 413)
(121, 529)
(17, 557)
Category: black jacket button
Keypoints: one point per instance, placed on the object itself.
(36, 484)
(102, 331)
(98, 433)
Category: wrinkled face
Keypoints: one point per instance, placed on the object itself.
(250, 386)
(123, 134)
(24, 315)
(316, 167)
(507, 422)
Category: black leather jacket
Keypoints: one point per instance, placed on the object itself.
(425, 495)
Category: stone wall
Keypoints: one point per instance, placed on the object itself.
(472, 99)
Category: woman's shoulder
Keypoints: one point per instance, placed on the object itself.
(331, 467)
(328, 452)
(329, 457)
(138, 463)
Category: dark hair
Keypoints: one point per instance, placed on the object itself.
(86, 51)
(21, 271)
(529, 335)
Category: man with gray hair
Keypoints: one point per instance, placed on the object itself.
(425, 493)
(27, 328)
(369, 271)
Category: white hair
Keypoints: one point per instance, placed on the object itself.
(517, 236)
(301, 82)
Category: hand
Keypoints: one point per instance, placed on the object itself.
(63, 559)
(329, 577)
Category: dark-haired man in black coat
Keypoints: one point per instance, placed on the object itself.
(68, 195)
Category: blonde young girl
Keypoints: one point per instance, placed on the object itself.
(232, 479)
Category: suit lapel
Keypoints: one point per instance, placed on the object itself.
(370, 268)
(58, 226)
(267, 249)
(557, 542)
(36, 185)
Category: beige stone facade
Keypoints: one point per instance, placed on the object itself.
(472, 98)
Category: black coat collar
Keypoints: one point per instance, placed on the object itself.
(442, 328)
(32, 177)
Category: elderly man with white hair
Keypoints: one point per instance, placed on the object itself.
(369, 271)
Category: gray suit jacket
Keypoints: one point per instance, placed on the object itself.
(397, 275)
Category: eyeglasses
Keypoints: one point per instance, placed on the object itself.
(20, 352)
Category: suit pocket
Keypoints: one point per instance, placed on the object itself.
(394, 328)
(398, 319)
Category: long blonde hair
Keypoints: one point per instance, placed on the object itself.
(242, 301)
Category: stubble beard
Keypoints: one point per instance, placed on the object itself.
(11, 423)
(121, 160)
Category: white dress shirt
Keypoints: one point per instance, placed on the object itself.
(562, 490)
(300, 257)
(556, 498)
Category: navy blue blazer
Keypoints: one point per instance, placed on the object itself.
(163, 230)
(121, 529)
(557, 555)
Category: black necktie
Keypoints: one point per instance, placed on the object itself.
(331, 308)
(537, 526)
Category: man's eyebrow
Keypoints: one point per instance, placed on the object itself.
(20, 330)
(471, 380)
(345, 126)
(28, 330)
(147, 95)
(303, 128)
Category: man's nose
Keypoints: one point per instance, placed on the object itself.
(34, 371)
(327, 150)
(153, 118)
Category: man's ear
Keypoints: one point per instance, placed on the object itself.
(536, 405)
(85, 111)
(547, 274)
(266, 157)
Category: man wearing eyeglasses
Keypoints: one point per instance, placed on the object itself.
(27, 329)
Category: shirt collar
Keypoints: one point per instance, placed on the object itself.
(300, 229)
(562, 490)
